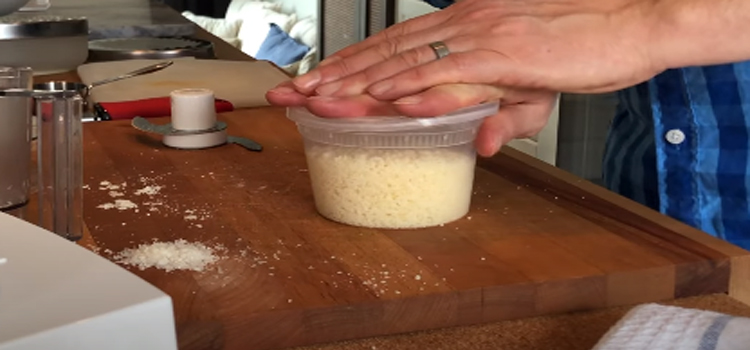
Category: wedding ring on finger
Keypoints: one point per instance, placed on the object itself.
(440, 49)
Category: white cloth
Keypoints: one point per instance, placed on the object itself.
(659, 327)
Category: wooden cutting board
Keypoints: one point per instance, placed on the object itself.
(537, 241)
(244, 83)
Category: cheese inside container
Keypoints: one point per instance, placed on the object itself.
(392, 172)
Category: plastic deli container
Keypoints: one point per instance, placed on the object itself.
(392, 172)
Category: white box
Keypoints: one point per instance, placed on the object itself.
(55, 294)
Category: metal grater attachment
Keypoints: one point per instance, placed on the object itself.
(145, 125)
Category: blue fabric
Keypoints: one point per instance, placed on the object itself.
(630, 153)
(280, 48)
(704, 180)
(710, 338)
(441, 4)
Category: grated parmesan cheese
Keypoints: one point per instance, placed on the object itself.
(391, 188)
(148, 190)
(169, 256)
(119, 204)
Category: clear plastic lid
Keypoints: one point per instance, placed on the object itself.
(377, 124)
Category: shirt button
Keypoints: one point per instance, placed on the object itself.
(675, 136)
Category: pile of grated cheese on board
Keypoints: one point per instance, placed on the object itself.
(169, 256)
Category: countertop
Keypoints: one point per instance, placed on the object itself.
(574, 331)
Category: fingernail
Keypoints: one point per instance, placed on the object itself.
(409, 100)
(329, 60)
(307, 81)
(329, 89)
(380, 88)
(282, 90)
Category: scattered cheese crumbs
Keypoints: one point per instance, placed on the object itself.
(483, 259)
(169, 256)
(191, 217)
(418, 277)
(116, 194)
(148, 190)
(119, 204)
(289, 301)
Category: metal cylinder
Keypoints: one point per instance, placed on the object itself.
(60, 165)
(15, 140)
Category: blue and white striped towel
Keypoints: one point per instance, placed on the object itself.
(659, 327)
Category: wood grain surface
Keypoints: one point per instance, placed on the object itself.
(537, 241)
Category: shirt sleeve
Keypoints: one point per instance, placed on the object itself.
(441, 4)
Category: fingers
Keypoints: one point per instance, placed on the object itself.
(285, 95)
(349, 107)
(444, 99)
(475, 67)
(513, 121)
(415, 52)
(436, 101)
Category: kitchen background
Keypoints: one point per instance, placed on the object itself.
(573, 140)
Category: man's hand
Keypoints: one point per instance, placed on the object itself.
(583, 46)
(522, 113)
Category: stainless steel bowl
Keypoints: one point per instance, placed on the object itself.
(9, 6)
(47, 44)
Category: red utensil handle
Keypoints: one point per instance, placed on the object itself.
(146, 108)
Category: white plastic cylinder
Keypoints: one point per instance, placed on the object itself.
(193, 109)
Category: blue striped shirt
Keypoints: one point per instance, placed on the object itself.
(679, 144)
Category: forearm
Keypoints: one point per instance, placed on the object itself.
(700, 32)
